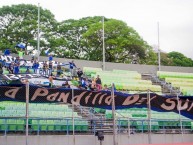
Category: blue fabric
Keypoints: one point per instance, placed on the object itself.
(16, 69)
(47, 52)
(6, 52)
(72, 65)
(50, 58)
(83, 83)
(20, 46)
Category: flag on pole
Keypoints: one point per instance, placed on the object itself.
(47, 51)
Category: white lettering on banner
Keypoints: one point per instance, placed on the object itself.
(101, 98)
(191, 106)
(87, 98)
(95, 97)
(184, 107)
(40, 92)
(16, 77)
(131, 100)
(108, 100)
(7, 58)
(12, 92)
(11, 77)
(52, 97)
(63, 97)
(171, 106)
(77, 98)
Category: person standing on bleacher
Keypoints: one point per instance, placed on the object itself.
(50, 67)
(16, 68)
(72, 66)
(98, 83)
(20, 53)
(7, 52)
(79, 73)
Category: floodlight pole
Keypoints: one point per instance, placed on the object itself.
(113, 114)
(103, 43)
(179, 112)
(38, 39)
(27, 111)
(149, 116)
(159, 56)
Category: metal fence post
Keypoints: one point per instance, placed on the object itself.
(149, 116)
(73, 116)
(179, 112)
(113, 114)
(27, 111)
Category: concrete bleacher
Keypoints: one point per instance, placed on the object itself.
(179, 80)
(42, 117)
(138, 119)
(124, 80)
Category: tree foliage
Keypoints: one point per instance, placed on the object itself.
(18, 23)
(79, 39)
(178, 59)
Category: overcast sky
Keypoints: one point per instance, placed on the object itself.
(175, 17)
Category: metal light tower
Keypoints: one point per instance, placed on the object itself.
(103, 43)
(159, 59)
(38, 38)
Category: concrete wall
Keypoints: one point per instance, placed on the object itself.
(92, 140)
(111, 66)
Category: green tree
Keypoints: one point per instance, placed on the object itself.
(122, 43)
(178, 59)
(71, 31)
(18, 23)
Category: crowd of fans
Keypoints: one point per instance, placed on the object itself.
(47, 68)
(93, 84)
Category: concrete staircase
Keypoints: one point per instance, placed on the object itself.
(166, 87)
(96, 120)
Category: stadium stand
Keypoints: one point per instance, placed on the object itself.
(181, 81)
(57, 118)
(43, 117)
(124, 80)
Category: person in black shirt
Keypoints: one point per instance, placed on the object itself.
(79, 73)
(59, 70)
(66, 84)
(98, 83)
(45, 68)
(10, 68)
(50, 67)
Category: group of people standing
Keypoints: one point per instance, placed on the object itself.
(93, 84)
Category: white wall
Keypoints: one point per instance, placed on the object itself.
(92, 140)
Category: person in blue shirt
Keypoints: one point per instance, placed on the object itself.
(83, 83)
(72, 66)
(50, 58)
(7, 52)
(17, 60)
(16, 68)
(35, 66)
